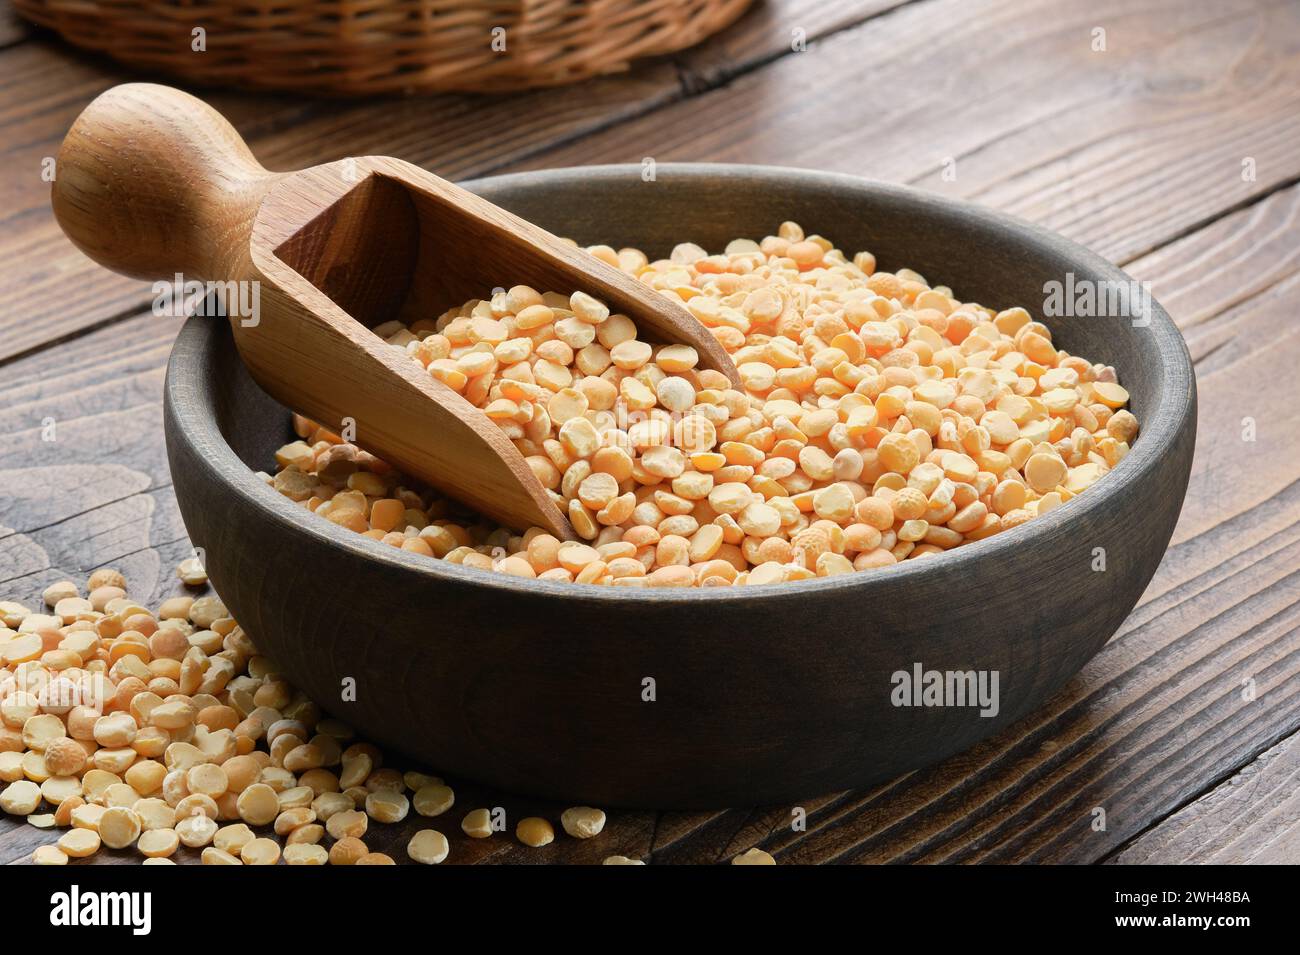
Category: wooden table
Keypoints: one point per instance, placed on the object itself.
(1175, 151)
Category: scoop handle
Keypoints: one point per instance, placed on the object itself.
(151, 181)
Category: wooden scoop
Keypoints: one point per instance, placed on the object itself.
(154, 183)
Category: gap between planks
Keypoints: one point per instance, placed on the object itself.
(1227, 808)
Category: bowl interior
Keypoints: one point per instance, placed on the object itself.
(979, 254)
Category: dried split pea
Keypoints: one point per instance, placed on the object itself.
(477, 824)
(348, 851)
(207, 779)
(200, 731)
(158, 843)
(62, 590)
(387, 806)
(434, 799)
(196, 831)
(258, 805)
(49, 855)
(119, 827)
(260, 852)
(535, 831)
(1044, 471)
(582, 822)
(232, 838)
(305, 854)
(191, 572)
(428, 846)
(42, 730)
(79, 843)
(1110, 394)
(350, 823)
(20, 798)
(753, 857)
(87, 816)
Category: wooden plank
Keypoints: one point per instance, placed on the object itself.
(83, 466)
(769, 30)
(13, 28)
(1252, 818)
(51, 290)
(1120, 150)
(1205, 281)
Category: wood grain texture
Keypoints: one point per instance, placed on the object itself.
(1226, 593)
(13, 28)
(58, 292)
(83, 474)
(767, 31)
(1207, 280)
(1009, 98)
(1252, 818)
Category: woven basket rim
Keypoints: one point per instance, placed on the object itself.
(363, 47)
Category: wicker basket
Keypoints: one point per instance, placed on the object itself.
(357, 47)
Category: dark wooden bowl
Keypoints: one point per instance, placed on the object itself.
(761, 695)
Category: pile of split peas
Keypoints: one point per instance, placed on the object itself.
(880, 419)
(148, 730)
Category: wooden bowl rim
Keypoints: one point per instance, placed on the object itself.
(189, 364)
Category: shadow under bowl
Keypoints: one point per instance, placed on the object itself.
(759, 695)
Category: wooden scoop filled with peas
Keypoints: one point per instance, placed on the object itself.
(155, 184)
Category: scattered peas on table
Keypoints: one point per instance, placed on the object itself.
(159, 730)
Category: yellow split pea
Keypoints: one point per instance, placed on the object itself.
(535, 831)
(428, 846)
